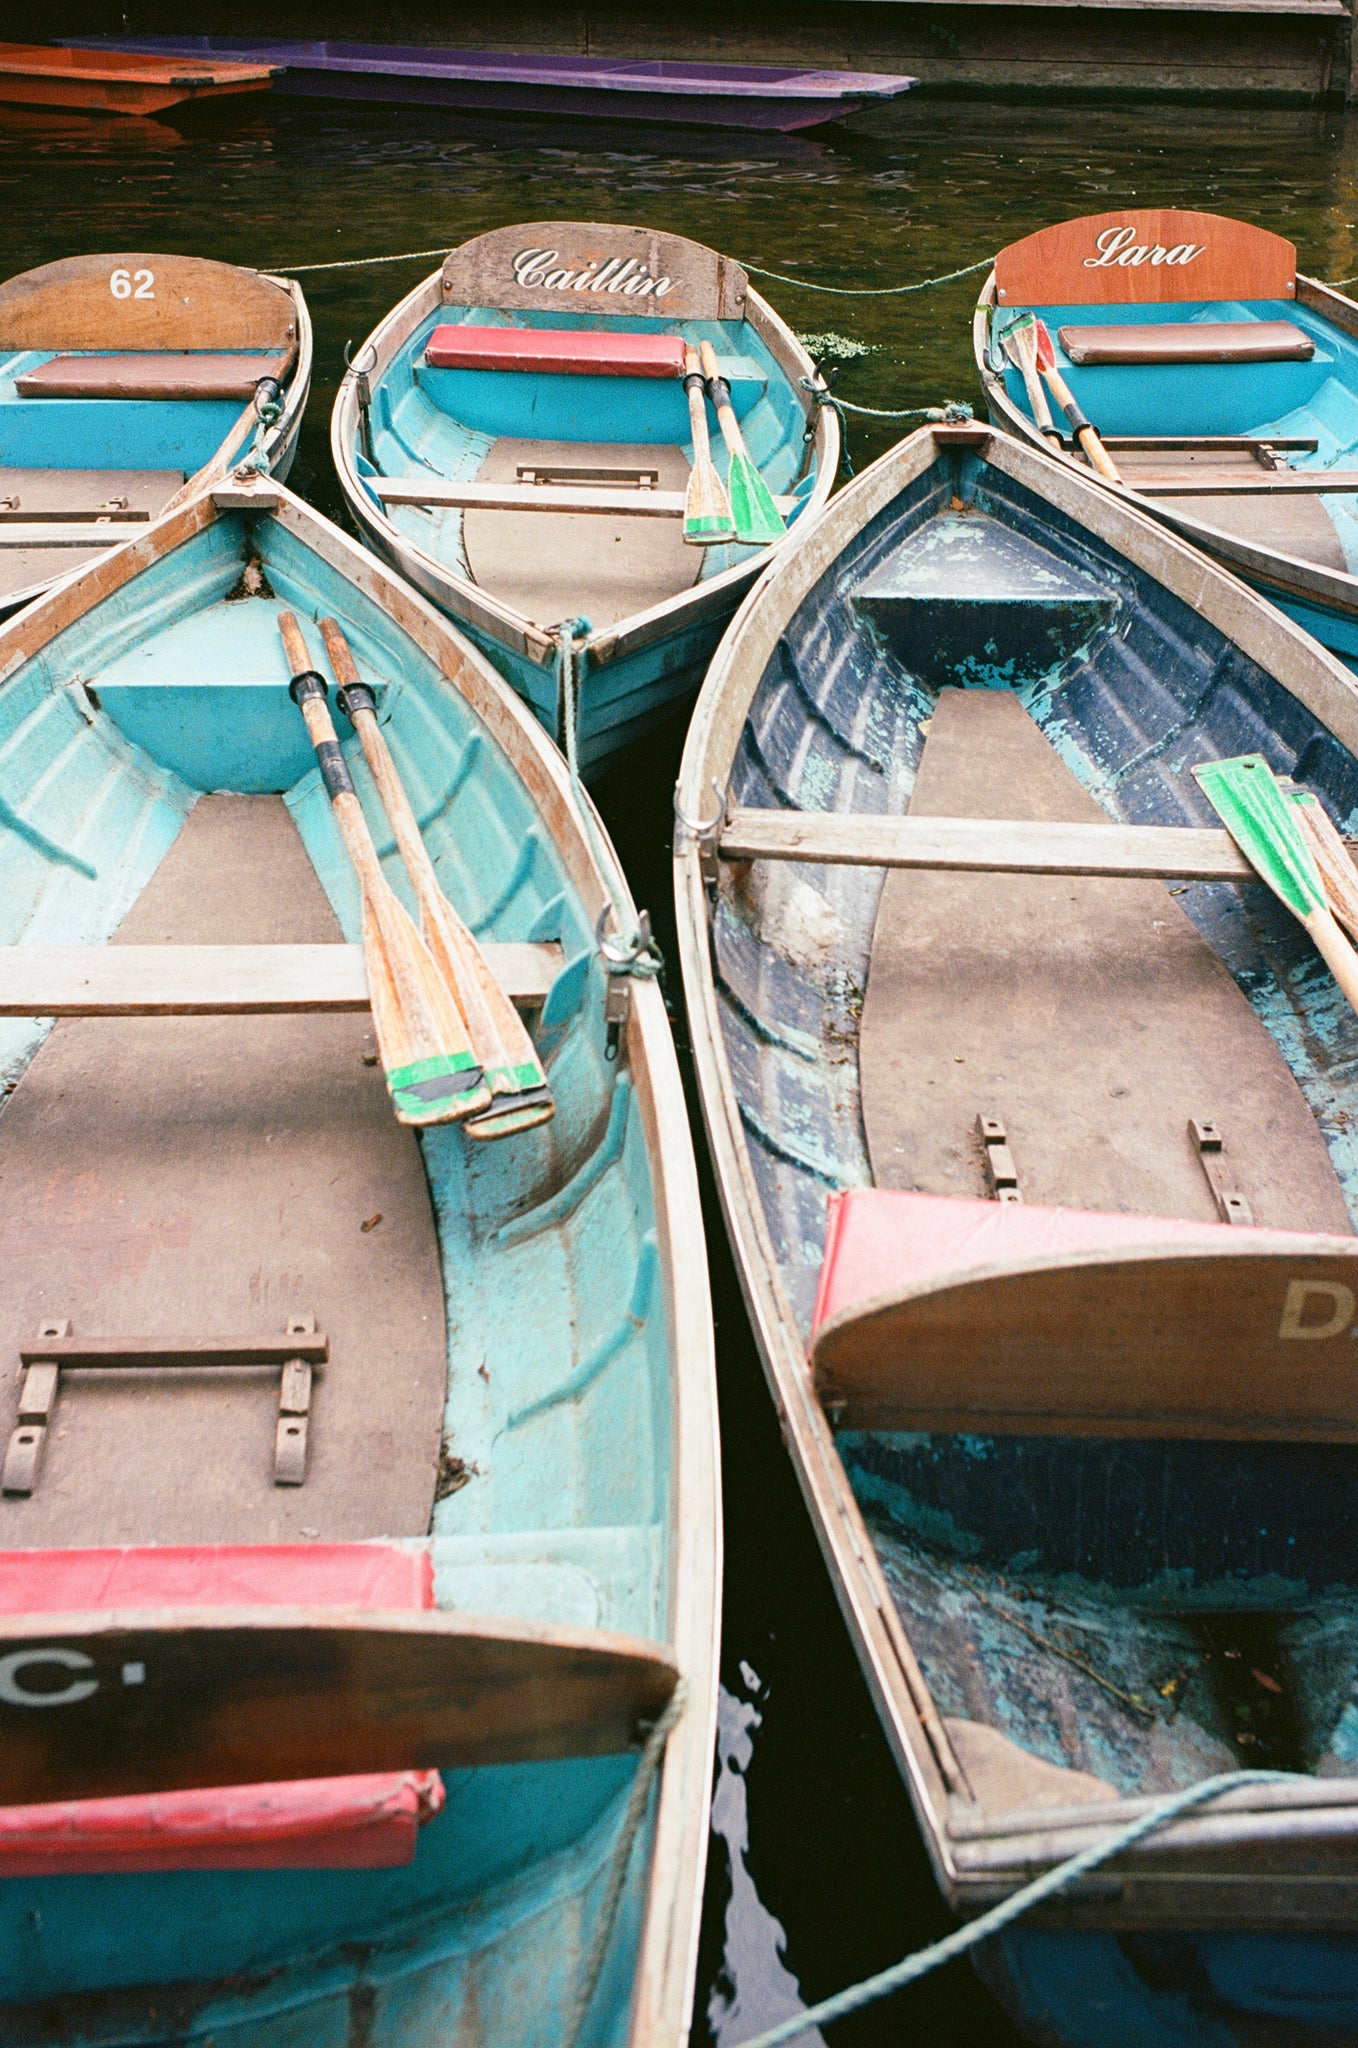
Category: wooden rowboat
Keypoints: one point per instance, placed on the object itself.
(760, 96)
(522, 494)
(993, 1030)
(1223, 383)
(127, 381)
(121, 82)
(350, 1458)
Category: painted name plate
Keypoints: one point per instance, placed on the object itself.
(1145, 257)
(578, 267)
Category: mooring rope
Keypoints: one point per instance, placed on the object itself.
(356, 262)
(910, 1968)
(875, 291)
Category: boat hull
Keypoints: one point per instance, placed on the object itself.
(931, 1539)
(490, 1930)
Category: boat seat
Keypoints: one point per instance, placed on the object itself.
(940, 1313)
(1190, 341)
(561, 352)
(153, 373)
(31, 494)
(352, 1823)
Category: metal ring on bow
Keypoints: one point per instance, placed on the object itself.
(350, 364)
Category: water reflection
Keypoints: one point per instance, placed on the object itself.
(754, 1989)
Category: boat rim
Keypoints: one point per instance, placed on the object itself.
(975, 1862)
(663, 1981)
(480, 607)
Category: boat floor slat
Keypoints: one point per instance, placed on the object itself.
(211, 1176)
(1088, 1014)
(551, 566)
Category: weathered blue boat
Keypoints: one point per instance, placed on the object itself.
(1223, 383)
(127, 381)
(1032, 1114)
(540, 501)
(350, 1459)
(758, 96)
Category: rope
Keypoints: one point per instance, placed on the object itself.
(629, 947)
(872, 291)
(637, 1801)
(1013, 1908)
(356, 262)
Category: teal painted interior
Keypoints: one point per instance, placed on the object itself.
(567, 1516)
(106, 433)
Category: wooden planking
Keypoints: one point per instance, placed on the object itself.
(1086, 1013)
(985, 845)
(643, 503)
(181, 1175)
(248, 1696)
(1111, 259)
(585, 267)
(216, 981)
(1211, 443)
(172, 302)
(1229, 484)
(553, 569)
(1167, 1342)
(84, 493)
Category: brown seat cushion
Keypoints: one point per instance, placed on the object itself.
(152, 373)
(1190, 341)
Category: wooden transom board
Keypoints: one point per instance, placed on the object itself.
(212, 1176)
(1145, 256)
(141, 301)
(550, 565)
(572, 267)
(1087, 1014)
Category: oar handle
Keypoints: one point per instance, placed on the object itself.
(309, 692)
(720, 393)
(1084, 433)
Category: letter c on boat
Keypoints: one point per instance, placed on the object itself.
(1337, 1299)
(16, 1694)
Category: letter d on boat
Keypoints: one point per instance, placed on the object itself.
(1305, 1298)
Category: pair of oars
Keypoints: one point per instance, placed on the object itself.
(742, 508)
(451, 1043)
(1029, 348)
(1290, 840)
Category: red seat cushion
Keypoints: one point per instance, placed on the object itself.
(882, 1239)
(594, 354)
(352, 1823)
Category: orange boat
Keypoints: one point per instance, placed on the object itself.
(115, 82)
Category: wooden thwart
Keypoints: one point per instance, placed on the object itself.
(159, 1699)
(216, 981)
(985, 845)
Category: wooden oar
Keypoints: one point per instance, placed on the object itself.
(1061, 392)
(707, 509)
(513, 1072)
(1268, 831)
(1020, 345)
(1331, 855)
(757, 519)
(431, 1070)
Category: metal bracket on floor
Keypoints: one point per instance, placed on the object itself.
(1210, 1147)
(1002, 1182)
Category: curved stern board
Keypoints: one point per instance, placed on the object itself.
(1087, 1014)
(135, 301)
(574, 267)
(209, 1176)
(551, 565)
(1145, 256)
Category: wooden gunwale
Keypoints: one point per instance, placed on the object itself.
(1180, 1877)
(481, 608)
(280, 443)
(1332, 589)
(663, 1984)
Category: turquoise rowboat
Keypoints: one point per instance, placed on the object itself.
(127, 382)
(359, 1527)
(1032, 1116)
(1224, 385)
(526, 490)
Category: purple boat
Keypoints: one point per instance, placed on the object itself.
(593, 88)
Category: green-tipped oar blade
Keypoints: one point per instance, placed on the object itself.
(707, 513)
(758, 521)
(1264, 825)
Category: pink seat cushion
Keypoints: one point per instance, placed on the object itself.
(595, 354)
(880, 1240)
(352, 1823)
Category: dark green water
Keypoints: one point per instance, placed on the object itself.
(817, 1876)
